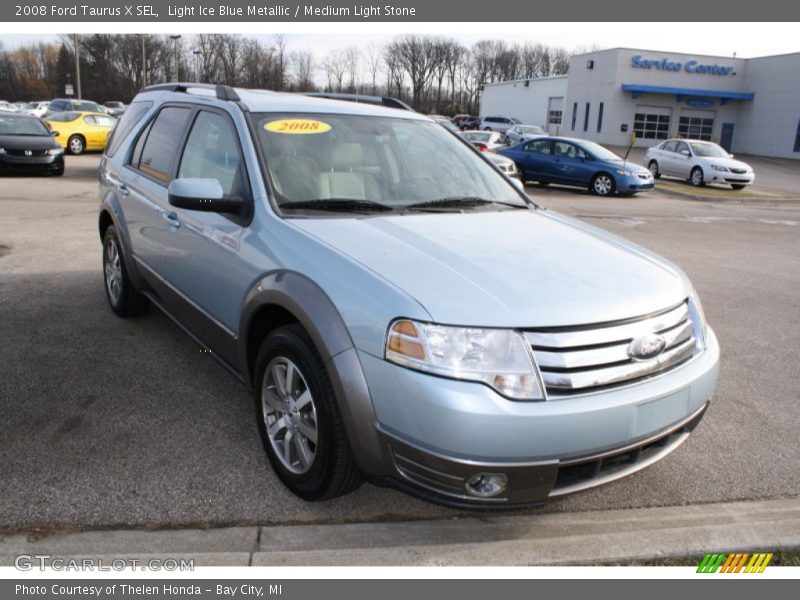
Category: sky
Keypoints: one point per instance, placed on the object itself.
(719, 39)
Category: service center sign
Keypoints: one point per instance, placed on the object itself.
(690, 66)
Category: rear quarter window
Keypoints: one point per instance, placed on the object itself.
(161, 146)
(126, 124)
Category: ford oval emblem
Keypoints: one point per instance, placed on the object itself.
(646, 347)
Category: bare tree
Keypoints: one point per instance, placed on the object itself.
(303, 68)
(414, 54)
(374, 57)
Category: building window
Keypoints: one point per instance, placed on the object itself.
(574, 114)
(554, 117)
(600, 118)
(586, 118)
(696, 128)
(651, 127)
(797, 138)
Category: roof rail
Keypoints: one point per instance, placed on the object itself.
(379, 100)
(223, 92)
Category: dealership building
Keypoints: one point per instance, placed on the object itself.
(748, 105)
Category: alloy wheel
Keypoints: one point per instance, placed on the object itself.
(113, 270)
(603, 185)
(290, 415)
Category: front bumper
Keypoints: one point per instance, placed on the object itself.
(436, 433)
(31, 164)
(635, 183)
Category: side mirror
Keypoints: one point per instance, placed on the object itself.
(686, 153)
(203, 195)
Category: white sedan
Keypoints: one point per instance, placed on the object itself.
(698, 161)
(7, 106)
(523, 133)
(484, 140)
(37, 109)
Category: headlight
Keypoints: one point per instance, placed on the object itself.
(500, 358)
(719, 168)
(698, 320)
(2, 150)
(624, 173)
(55, 151)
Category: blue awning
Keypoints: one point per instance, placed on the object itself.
(683, 93)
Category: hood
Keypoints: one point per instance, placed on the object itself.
(507, 269)
(27, 142)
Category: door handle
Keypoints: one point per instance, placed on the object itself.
(171, 218)
(123, 189)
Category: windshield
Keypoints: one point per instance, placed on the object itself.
(390, 163)
(708, 150)
(532, 129)
(600, 152)
(22, 126)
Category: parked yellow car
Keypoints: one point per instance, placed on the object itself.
(78, 132)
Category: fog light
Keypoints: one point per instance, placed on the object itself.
(486, 485)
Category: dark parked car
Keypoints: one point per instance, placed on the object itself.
(579, 163)
(72, 105)
(26, 145)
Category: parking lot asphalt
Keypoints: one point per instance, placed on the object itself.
(124, 423)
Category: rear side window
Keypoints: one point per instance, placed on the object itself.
(669, 146)
(124, 126)
(161, 146)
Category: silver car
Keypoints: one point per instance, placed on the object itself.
(523, 133)
(499, 124)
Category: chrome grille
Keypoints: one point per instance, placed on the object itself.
(575, 360)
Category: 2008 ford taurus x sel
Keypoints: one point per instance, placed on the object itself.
(401, 310)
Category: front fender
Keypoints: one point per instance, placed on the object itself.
(315, 311)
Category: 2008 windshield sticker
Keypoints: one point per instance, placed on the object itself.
(297, 126)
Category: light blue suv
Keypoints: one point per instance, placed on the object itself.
(401, 310)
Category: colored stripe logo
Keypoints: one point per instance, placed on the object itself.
(741, 562)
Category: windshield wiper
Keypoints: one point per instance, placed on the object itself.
(458, 202)
(337, 205)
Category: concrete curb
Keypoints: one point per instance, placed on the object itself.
(546, 539)
(738, 199)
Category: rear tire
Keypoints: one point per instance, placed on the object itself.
(123, 298)
(653, 166)
(315, 462)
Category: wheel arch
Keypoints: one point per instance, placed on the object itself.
(283, 297)
(111, 214)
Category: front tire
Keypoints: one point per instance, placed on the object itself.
(738, 186)
(603, 184)
(653, 166)
(299, 419)
(696, 177)
(76, 145)
(123, 298)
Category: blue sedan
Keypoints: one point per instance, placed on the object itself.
(581, 163)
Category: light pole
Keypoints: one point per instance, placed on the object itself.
(77, 66)
(197, 55)
(144, 65)
(175, 39)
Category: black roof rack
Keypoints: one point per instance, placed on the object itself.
(379, 100)
(224, 92)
